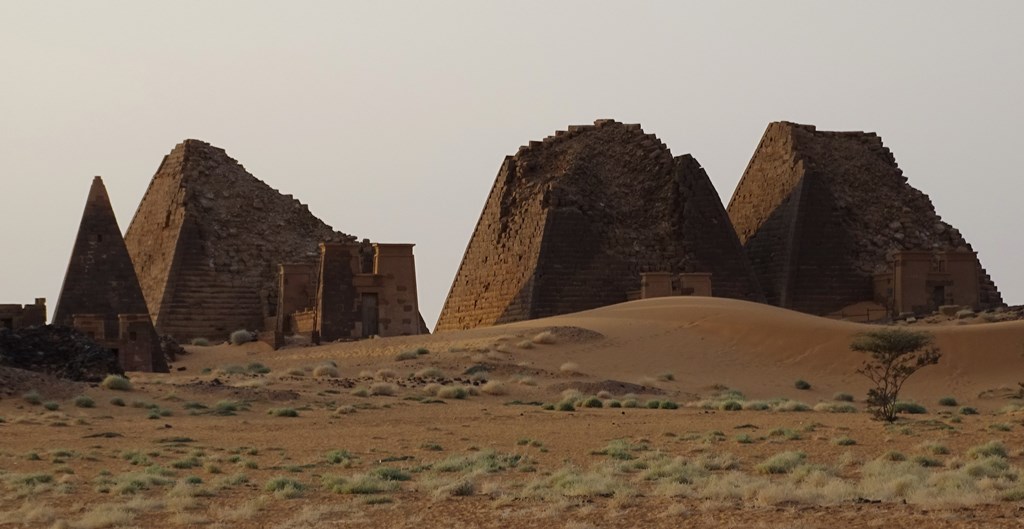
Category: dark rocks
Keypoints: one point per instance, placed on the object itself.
(59, 351)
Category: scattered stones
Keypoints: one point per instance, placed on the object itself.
(59, 351)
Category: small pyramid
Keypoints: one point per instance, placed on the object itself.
(819, 213)
(572, 221)
(101, 279)
(207, 239)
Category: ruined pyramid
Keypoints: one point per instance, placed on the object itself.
(572, 221)
(819, 213)
(101, 283)
(207, 240)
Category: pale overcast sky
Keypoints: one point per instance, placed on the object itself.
(391, 119)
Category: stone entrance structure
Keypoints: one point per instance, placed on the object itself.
(356, 290)
(920, 282)
(14, 316)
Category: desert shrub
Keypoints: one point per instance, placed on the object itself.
(494, 387)
(895, 355)
(989, 449)
(359, 484)
(614, 404)
(429, 372)
(283, 412)
(227, 407)
(591, 402)
(383, 388)
(117, 401)
(669, 405)
(666, 376)
(83, 401)
(835, 407)
(653, 404)
(912, 408)
(630, 403)
(948, 401)
(925, 461)
(284, 487)
(802, 384)
(1000, 427)
(756, 405)
(257, 368)
(843, 441)
(842, 397)
(781, 463)
(344, 409)
(326, 370)
(525, 344)
(790, 405)
(967, 410)
(730, 405)
(200, 342)
(242, 336)
(385, 374)
(566, 405)
(452, 392)
(360, 392)
(340, 457)
(117, 383)
(546, 337)
(33, 397)
(744, 438)
(51, 405)
(934, 448)
(296, 372)
(570, 368)
(406, 355)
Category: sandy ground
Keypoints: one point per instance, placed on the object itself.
(170, 457)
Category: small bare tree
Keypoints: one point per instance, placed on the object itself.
(895, 355)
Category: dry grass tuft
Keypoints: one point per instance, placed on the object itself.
(570, 368)
(546, 338)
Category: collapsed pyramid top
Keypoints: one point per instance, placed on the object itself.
(819, 213)
(207, 239)
(100, 278)
(572, 221)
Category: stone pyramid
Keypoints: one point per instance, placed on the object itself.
(207, 240)
(100, 278)
(572, 222)
(819, 213)
(101, 282)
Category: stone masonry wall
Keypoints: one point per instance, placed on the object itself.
(820, 212)
(572, 222)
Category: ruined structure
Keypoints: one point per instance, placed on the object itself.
(821, 213)
(923, 282)
(14, 316)
(101, 291)
(572, 221)
(218, 250)
(207, 240)
(355, 291)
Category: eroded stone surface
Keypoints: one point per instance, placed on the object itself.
(573, 220)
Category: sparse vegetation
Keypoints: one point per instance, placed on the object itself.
(383, 388)
(242, 336)
(452, 392)
(666, 376)
(283, 412)
(896, 354)
(326, 370)
(546, 338)
(911, 408)
(802, 384)
(116, 383)
(84, 401)
(494, 387)
(200, 342)
(33, 397)
(570, 368)
(948, 401)
(781, 463)
(842, 397)
(51, 405)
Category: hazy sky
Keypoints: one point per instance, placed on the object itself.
(391, 119)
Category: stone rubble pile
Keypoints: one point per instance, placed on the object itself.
(59, 351)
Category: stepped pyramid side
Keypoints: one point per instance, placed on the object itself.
(573, 220)
(819, 213)
(100, 278)
(207, 239)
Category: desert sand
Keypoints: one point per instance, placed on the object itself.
(452, 430)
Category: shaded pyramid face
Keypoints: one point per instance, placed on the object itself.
(819, 213)
(572, 221)
(207, 240)
(100, 278)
